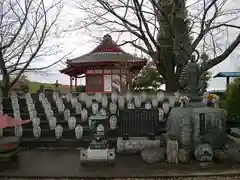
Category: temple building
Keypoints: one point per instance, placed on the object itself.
(106, 68)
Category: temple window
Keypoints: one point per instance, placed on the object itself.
(94, 83)
(107, 83)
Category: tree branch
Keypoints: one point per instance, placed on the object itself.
(212, 62)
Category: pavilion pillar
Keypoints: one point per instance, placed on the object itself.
(227, 81)
(71, 83)
(76, 83)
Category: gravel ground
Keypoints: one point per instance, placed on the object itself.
(189, 178)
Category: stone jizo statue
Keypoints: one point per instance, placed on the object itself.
(190, 78)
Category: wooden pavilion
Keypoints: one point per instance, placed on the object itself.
(105, 68)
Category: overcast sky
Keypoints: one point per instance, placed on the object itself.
(80, 43)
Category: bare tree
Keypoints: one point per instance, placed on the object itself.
(25, 27)
(168, 31)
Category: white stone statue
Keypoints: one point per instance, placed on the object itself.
(215, 102)
(69, 97)
(114, 97)
(36, 121)
(205, 98)
(72, 122)
(172, 151)
(52, 123)
(58, 131)
(78, 131)
(95, 107)
(41, 96)
(98, 97)
(130, 105)
(88, 101)
(18, 131)
(144, 97)
(161, 114)
(84, 115)
(78, 108)
(82, 97)
(121, 102)
(103, 112)
(67, 114)
(137, 101)
(172, 100)
(60, 105)
(15, 105)
(104, 101)
(113, 122)
(37, 132)
(155, 103)
(148, 105)
(129, 96)
(166, 107)
(55, 96)
(160, 96)
(32, 114)
(113, 108)
(74, 102)
(16, 114)
(177, 96)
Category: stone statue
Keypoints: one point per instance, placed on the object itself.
(190, 79)
(172, 151)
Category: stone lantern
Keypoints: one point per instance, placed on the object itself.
(95, 120)
(99, 150)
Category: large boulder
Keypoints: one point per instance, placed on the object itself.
(153, 154)
(215, 138)
(231, 149)
(219, 156)
(235, 132)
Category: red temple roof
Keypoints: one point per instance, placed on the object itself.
(107, 45)
(108, 51)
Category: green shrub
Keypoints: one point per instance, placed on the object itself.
(232, 97)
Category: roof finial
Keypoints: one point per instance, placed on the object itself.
(107, 37)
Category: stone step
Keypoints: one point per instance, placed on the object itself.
(62, 143)
(45, 124)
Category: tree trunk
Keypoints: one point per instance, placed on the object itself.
(5, 91)
(5, 86)
(171, 84)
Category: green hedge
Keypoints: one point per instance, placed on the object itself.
(232, 97)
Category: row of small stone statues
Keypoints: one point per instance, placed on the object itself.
(18, 130)
(131, 100)
(77, 102)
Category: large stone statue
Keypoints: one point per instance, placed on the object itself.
(195, 124)
(190, 79)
